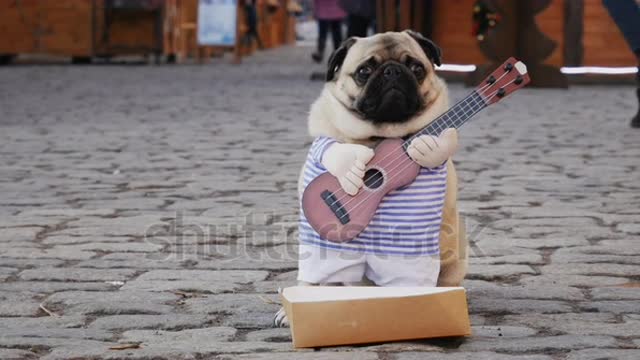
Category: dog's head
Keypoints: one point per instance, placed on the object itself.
(386, 78)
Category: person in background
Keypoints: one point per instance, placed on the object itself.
(361, 14)
(329, 16)
(252, 24)
(626, 14)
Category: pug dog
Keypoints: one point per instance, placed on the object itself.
(385, 86)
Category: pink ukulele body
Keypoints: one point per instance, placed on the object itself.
(339, 217)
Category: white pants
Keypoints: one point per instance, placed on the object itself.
(318, 265)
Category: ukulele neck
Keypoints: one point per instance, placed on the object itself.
(455, 117)
(509, 77)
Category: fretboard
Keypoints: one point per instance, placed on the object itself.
(455, 117)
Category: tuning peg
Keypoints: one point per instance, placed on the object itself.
(519, 79)
(508, 67)
(491, 79)
(500, 92)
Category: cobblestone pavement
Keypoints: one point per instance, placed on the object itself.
(154, 207)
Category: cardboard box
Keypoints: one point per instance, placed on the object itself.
(336, 315)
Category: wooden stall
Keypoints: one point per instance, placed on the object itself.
(602, 43)
(80, 28)
(84, 29)
(453, 30)
(276, 24)
(450, 24)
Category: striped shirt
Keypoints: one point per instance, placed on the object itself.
(407, 221)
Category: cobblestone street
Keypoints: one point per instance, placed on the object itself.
(149, 212)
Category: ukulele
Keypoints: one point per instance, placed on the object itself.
(340, 217)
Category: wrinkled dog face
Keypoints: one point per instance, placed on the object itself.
(386, 78)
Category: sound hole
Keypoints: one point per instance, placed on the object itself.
(373, 178)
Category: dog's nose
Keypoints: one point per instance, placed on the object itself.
(392, 71)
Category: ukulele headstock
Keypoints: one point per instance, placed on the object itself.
(509, 77)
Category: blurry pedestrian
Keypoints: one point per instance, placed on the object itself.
(329, 16)
(252, 24)
(626, 14)
(360, 15)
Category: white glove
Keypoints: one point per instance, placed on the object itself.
(430, 151)
(347, 163)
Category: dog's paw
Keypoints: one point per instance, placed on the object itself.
(430, 151)
(347, 163)
(280, 319)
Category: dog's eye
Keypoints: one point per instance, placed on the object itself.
(362, 74)
(365, 71)
(417, 70)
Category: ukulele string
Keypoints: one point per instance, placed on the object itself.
(409, 163)
(405, 161)
(439, 129)
(467, 111)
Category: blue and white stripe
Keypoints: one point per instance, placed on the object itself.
(407, 221)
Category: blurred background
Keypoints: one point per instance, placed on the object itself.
(576, 34)
(150, 152)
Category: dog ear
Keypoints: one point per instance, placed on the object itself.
(433, 51)
(337, 58)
